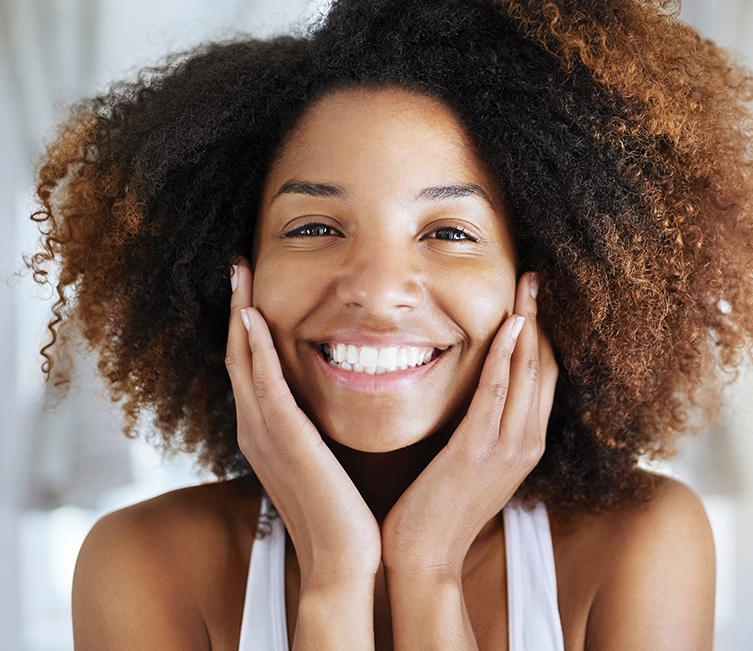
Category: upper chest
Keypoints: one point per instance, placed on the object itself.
(485, 589)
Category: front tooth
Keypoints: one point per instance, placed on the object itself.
(415, 354)
(340, 353)
(352, 355)
(380, 370)
(371, 370)
(387, 357)
(346, 367)
(357, 368)
(403, 355)
(368, 357)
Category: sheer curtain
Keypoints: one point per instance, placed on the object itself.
(64, 465)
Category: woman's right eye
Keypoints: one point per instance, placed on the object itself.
(313, 230)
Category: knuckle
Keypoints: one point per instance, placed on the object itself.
(532, 452)
(533, 368)
(261, 387)
(231, 364)
(505, 354)
(248, 439)
(499, 391)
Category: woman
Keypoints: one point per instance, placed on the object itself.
(483, 254)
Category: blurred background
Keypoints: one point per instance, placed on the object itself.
(64, 465)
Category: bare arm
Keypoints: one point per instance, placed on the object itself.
(659, 592)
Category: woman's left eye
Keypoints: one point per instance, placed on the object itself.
(452, 234)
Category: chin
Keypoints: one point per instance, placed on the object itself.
(376, 434)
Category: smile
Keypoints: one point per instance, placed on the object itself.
(376, 361)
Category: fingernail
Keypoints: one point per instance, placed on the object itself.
(517, 326)
(533, 285)
(234, 277)
(246, 320)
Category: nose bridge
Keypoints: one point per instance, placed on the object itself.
(380, 274)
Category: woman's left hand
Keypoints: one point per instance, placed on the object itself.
(429, 531)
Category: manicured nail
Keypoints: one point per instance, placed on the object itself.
(533, 285)
(246, 319)
(517, 326)
(234, 277)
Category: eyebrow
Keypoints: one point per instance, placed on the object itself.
(311, 189)
(436, 193)
(442, 192)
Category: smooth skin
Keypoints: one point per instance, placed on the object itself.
(379, 225)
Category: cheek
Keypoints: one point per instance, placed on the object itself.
(286, 292)
(482, 306)
(277, 295)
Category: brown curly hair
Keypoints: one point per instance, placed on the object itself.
(620, 141)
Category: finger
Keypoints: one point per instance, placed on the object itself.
(484, 413)
(238, 352)
(524, 365)
(272, 392)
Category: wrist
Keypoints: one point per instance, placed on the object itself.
(335, 616)
(429, 612)
(328, 580)
(424, 568)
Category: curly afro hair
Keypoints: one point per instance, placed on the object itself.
(618, 137)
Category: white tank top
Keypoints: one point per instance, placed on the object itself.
(533, 616)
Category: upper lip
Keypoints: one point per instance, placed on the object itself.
(379, 340)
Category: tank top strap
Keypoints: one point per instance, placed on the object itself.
(264, 625)
(533, 614)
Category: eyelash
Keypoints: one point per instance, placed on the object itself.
(306, 231)
(454, 231)
(316, 229)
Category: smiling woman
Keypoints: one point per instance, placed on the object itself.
(476, 251)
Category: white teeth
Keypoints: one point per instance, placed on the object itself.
(368, 357)
(403, 356)
(376, 361)
(388, 357)
(415, 354)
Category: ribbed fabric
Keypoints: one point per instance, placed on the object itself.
(533, 616)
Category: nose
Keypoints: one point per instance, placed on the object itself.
(380, 277)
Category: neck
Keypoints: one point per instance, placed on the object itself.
(382, 477)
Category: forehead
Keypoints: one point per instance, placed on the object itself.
(358, 127)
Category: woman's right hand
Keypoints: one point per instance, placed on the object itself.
(335, 535)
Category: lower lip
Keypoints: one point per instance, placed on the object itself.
(366, 383)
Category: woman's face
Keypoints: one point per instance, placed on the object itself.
(384, 266)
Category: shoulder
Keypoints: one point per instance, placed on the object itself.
(145, 573)
(650, 568)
